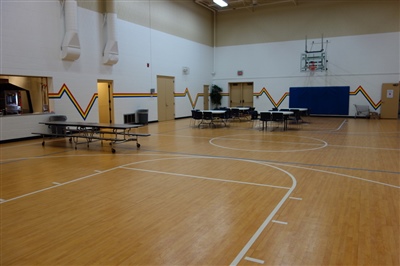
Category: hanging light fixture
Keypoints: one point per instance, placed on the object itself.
(221, 3)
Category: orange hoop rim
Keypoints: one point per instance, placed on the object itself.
(312, 66)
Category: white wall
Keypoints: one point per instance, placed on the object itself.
(22, 126)
(32, 34)
(364, 60)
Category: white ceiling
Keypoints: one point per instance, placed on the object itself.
(254, 4)
(241, 4)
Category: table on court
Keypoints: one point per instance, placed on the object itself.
(285, 115)
(90, 131)
(219, 116)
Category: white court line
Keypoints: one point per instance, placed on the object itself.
(323, 144)
(333, 173)
(279, 222)
(295, 198)
(151, 160)
(341, 125)
(205, 178)
(263, 225)
(254, 260)
(22, 145)
(269, 141)
(281, 202)
(56, 183)
(364, 147)
(253, 239)
(245, 249)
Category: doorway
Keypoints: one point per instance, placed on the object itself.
(241, 94)
(166, 98)
(390, 101)
(105, 101)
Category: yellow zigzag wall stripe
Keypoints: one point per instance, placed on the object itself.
(187, 92)
(365, 94)
(64, 90)
(275, 104)
(84, 113)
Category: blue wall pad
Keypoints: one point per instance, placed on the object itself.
(328, 100)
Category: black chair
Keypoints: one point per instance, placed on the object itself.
(278, 118)
(59, 130)
(208, 118)
(235, 113)
(297, 116)
(254, 117)
(226, 116)
(247, 112)
(265, 117)
(222, 118)
(197, 116)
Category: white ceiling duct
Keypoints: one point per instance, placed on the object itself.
(71, 48)
(110, 54)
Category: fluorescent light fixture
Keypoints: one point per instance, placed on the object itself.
(221, 3)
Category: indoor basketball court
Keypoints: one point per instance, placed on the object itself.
(325, 192)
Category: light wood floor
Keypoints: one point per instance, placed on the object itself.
(323, 193)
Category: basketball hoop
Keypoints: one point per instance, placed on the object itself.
(312, 67)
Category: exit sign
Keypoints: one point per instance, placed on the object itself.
(240, 73)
